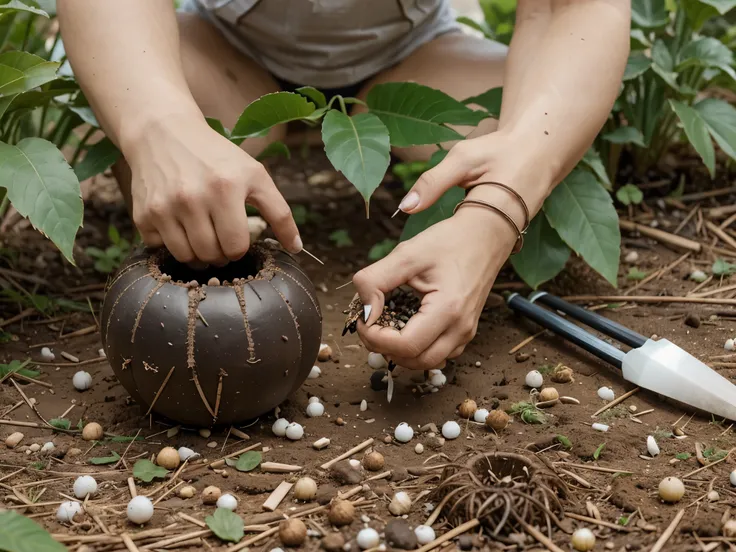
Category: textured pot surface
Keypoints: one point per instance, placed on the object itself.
(205, 355)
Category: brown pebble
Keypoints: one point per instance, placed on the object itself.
(213, 281)
(387, 439)
(344, 473)
(333, 542)
(521, 357)
(399, 535)
(340, 421)
(692, 320)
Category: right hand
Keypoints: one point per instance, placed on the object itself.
(189, 190)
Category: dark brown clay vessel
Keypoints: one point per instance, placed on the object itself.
(205, 355)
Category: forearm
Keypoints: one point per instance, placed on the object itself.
(559, 88)
(125, 55)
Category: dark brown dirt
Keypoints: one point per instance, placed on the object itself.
(486, 372)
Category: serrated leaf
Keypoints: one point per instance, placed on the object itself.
(103, 460)
(268, 111)
(592, 160)
(598, 451)
(226, 525)
(543, 256)
(341, 238)
(358, 146)
(274, 149)
(98, 158)
(42, 187)
(21, 534)
(637, 64)
(564, 441)
(17, 5)
(311, 93)
(582, 212)
(722, 268)
(697, 133)
(60, 423)
(629, 194)
(415, 114)
(21, 71)
(720, 119)
(147, 471)
(248, 461)
(635, 274)
(649, 14)
(489, 100)
(625, 135)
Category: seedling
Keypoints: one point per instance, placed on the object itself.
(381, 249)
(528, 413)
(109, 260)
(723, 268)
(636, 274)
(599, 451)
(341, 238)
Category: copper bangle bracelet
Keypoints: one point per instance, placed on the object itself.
(509, 189)
(519, 234)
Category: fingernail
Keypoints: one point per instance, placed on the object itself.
(297, 245)
(366, 312)
(410, 201)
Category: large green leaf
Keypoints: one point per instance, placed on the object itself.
(722, 6)
(268, 111)
(227, 525)
(311, 93)
(592, 160)
(17, 5)
(248, 461)
(20, 534)
(415, 114)
(637, 64)
(583, 214)
(625, 135)
(707, 52)
(357, 146)
(697, 133)
(720, 118)
(663, 64)
(34, 71)
(543, 256)
(98, 158)
(42, 186)
(649, 14)
(489, 100)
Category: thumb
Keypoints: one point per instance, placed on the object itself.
(451, 171)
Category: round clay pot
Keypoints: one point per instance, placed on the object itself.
(205, 355)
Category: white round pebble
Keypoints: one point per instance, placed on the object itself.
(355, 464)
(583, 540)
(82, 381)
(227, 501)
(294, 431)
(480, 415)
(424, 533)
(279, 427)
(367, 538)
(35, 447)
(315, 409)
(438, 379)
(600, 427)
(606, 393)
(631, 257)
(140, 509)
(451, 430)
(376, 361)
(698, 276)
(47, 355)
(186, 453)
(314, 399)
(315, 372)
(85, 485)
(47, 447)
(403, 432)
(67, 511)
(730, 345)
(419, 449)
(652, 446)
(732, 477)
(534, 379)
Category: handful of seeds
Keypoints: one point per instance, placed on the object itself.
(401, 305)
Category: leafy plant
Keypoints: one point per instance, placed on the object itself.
(636, 274)
(723, 268)
(381, 249)
(528, 413)
(147, 471)
(629, 195)
(683, 455)
(599, 451)
(60, 423)
(564, 441)
(712, 454)
(227, 525)
(18, 367)
(21, 534)
(341, 238)
(498, 20)
(102, 460)
(248, 461)
(110, 259)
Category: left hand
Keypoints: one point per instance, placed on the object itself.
(452, 264)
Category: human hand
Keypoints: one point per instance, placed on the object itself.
(189, 189)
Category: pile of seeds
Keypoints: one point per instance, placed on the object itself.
(401, 304)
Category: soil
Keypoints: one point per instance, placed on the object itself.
(487, 372)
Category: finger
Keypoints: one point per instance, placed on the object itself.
(175, 239)
(200, 231)
(453, 170)
(435, 355)
(231, 227)
(276, 212)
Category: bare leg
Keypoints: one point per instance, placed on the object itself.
(456, 63)
(222, 80)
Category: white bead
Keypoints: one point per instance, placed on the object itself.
(451, 430)
(480, 415)
(315, 409)
(227, 501)
(140, 509)
(652, 446)
(85, 485)
(534, 379)
(606, 393)
(315, 372)
(403, 432)
(82, 381)
(67, 511)
(47, 355)
(294, 431)
(424, 533)
(376, 361)
(730, 345)
(583, 540)
(279, 427)
(367, 538)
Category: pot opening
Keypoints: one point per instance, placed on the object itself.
(247, 267)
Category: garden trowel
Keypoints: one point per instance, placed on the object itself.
(659, 366)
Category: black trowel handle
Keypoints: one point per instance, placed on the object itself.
(590, 318)
(568, 330)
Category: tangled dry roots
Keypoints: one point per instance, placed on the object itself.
(504, 490)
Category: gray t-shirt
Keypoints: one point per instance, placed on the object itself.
(327, 43)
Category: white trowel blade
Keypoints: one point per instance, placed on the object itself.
(663, 367)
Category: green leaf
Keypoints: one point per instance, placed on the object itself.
(489, 100)
(124, 438)
(639, 40)
(42, 186)
(636, 274)
(598, 451)
(103, 460)
(17, 5)
(649, 14)
(60, 423)
(707, 52)
(274, 149)
(625, 135)
(697, 133)
(564, 441)
(341, 238)
(217, 126)
(720, 119)
(637, 64)
(86, 114)
(226, 524)
(722, 6)
(543, 256)
(722, 268)
(21, 71)
(582, 212)
(248, 461)
(268, 111)
(21, 534)
(592, 160)
(683, 455)
(313, 94)
(146, 471)
(381, 249)
(98, 158)
(661, 55)
(357, 146)
(629, 194)
(481, 27)
(415, 114)
(113, 234)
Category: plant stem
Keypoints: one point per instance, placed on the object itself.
(81, 145)
(27, 33)
(342, 104)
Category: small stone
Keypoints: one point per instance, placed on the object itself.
(431, 427)
(325, 352)
(387, 439)
(379, 381)
(212, 444)
(398, 475)
(35, 447)
(692, 320)
(72, 452)
(13, 440)
(399, 535)
(465, 542)
(521, 357)
(213, 281)
(419, 449)
(205, 433)
(333, 542)
(631, 257)
(344, 473)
